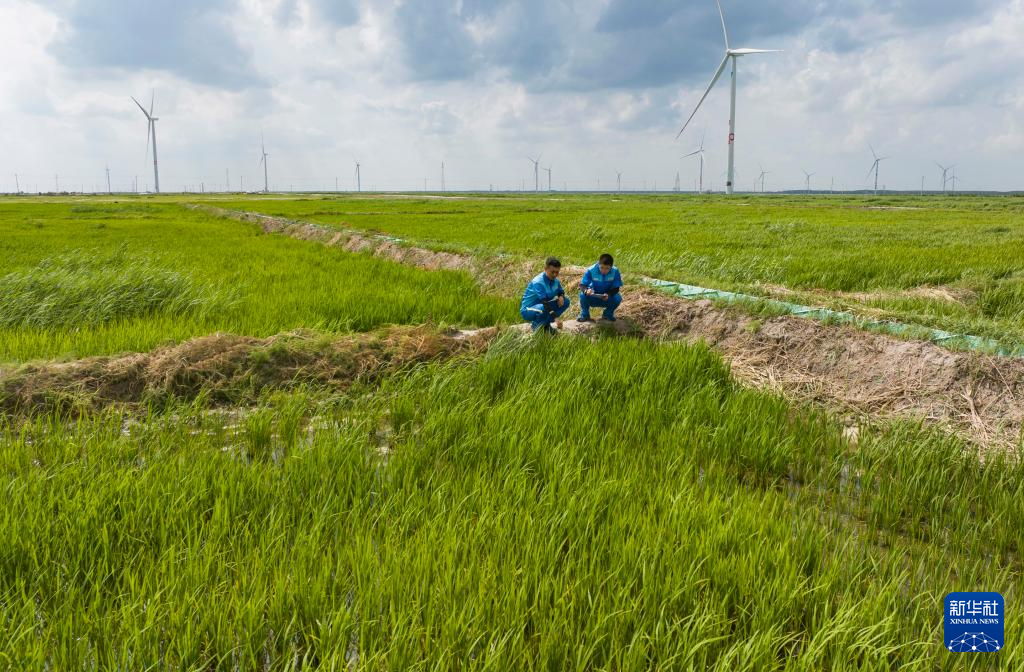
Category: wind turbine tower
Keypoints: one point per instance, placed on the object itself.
(151, 137)
(536, 171)
(874, 166)
(618, 180)
(17, 184)
(809, 176)
(945, 174)
(442, 178)
(761, 176)
(263, 160)
(700, 153)
(108, 181)
(359, 178)
(549, 177)
(731, 56)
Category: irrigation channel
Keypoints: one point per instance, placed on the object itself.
(865, 369)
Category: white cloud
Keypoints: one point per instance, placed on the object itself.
(385, 85)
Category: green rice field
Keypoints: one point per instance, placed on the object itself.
(83, 279)
(542, 504)
(941, 262)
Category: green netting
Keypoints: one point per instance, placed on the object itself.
(937, 336)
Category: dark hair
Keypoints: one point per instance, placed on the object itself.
(553, 261)
(606, 260)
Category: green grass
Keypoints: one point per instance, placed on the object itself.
(83, 288)
(88, 279)
(512, 523)
(816, 246)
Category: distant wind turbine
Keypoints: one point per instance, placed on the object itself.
(536, 171)
(549, 177)
(761, 176)
(945, 173)
(700, 153)
(359, 178)
(618, 180)
(263, 161)
(730, 55)
(874, 166)
(809, 176)
(151, 136)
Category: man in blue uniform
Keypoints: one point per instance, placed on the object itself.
(600, 288)
(544, 300)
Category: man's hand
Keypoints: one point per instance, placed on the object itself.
(589, 291)
(561, 300)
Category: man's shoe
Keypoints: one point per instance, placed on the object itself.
(584, 319)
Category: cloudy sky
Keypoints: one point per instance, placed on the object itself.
(597, 86)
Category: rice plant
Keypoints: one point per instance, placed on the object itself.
(554, 505)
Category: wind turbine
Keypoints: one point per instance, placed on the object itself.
(536, 171)
(618, 180)
(151, 134)
(761, 176)
(699, 152)
(809, 176)
(263, 160)
(733, 56)
(874, 166)
(359, 178)
(945, 172)
(549, 177)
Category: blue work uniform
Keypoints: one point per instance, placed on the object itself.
(602, 283)
(540, 301)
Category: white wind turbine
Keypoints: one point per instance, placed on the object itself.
(700, 153)
(761, 176)
(151, 136)
(263, 161)
(874, 166)
(730, 55)
(945, 174)
(809, 176)
(536, 171)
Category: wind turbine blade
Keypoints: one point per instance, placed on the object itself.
(690, 154)
(141, 107)
(873, 152)
(747, 51)
(152, 100)
(714, 80)
(725, 32)
(871, 169)
(149, 132)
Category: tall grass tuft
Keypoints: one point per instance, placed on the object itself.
(90, 288)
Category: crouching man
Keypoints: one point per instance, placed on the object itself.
(599, 288)
(544, 300)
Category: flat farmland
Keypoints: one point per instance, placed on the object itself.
(952, 263)
(222, 448)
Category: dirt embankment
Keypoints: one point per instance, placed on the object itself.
(838, 366)
(861, 372)
(228, 368)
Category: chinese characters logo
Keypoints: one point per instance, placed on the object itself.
(974, 622)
